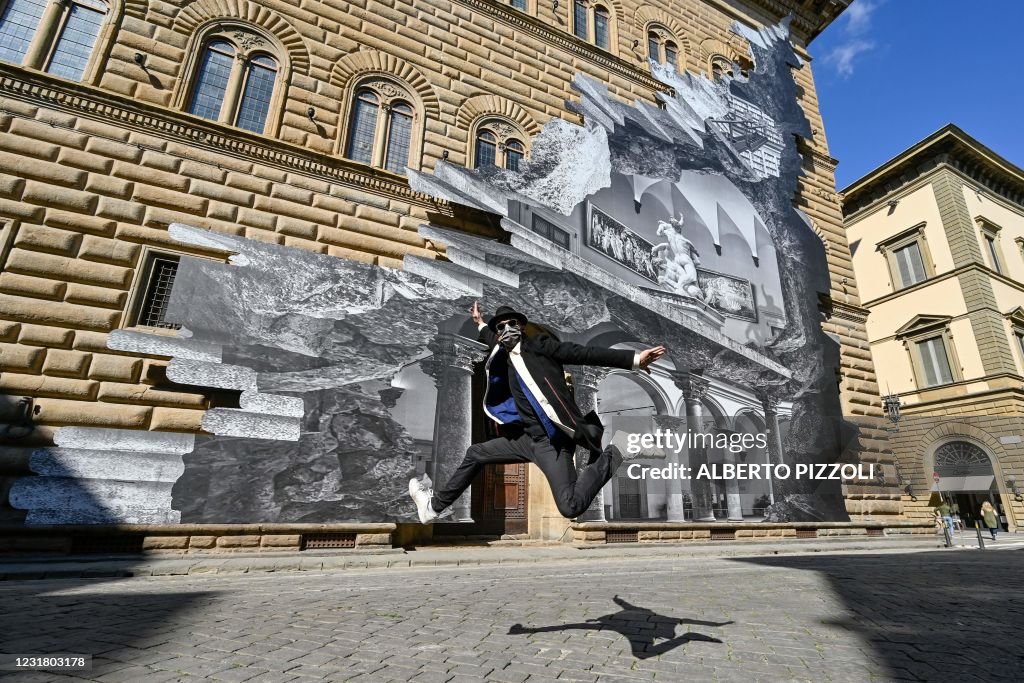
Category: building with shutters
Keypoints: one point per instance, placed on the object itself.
(937, 237)
(294, 125)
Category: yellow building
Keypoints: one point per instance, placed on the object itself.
(937, 236)
(292, 123)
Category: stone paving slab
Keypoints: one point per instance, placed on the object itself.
(887, 614)
(20, 569)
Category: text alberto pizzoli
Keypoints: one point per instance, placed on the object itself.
(667, 440)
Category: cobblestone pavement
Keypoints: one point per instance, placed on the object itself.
(948, 615)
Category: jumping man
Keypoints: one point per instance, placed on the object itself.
(538, 421)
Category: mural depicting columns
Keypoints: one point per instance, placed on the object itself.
(776, 453)
(733, 502)
(452, 369)
(585, 380)
(695, 388)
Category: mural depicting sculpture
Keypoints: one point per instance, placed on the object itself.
(338, 369)
(678, 259)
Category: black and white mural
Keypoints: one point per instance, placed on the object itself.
(648, 224)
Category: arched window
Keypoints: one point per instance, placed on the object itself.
(593, 23)
(58, 36)
(381, 126)
(498, 143)
(235, 81)
(662, 47)
(602, 27)
(672, 55)
(720, 66)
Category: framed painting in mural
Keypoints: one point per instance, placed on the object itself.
(727, 294)
(611, 238)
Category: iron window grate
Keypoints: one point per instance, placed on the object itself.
(153, 311)
(806, 533)
(876, 532)
(723, 535)
(625, 536)
(326, 541)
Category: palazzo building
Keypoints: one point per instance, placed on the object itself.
(297, 125)
(937, 235)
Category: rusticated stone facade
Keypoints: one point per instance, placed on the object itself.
(93, 172)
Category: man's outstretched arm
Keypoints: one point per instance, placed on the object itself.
(577, 354)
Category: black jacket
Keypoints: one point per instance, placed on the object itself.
(538, 360)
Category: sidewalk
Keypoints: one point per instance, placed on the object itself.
(24, 568)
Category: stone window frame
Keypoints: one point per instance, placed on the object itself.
(921, 329)
(1020, 246)
(249, 41)
(139, 288)
(890, 245)
(389, 90)
(664, 35)
(504, 129)
(592, 7)
(48, 31)
(1015, 319)
(992, 256)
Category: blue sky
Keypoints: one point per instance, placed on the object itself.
(891, 72)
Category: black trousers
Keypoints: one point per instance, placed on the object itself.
(572, 495)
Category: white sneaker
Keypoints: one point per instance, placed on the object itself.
(421, 494)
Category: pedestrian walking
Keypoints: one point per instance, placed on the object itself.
(990, 517)
(946, 513)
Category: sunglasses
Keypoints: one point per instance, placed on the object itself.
(507, 325)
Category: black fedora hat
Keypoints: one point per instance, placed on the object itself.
(505, 313)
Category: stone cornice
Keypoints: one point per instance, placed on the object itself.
(949, 146)
(127, 113)
(949, 274)
(565, 40)
(851, 312)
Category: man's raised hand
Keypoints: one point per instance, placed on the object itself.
(474, 312)
(650, 356)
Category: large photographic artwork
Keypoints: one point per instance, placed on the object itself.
(338, 369)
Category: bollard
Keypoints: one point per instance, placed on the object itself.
(981, 541)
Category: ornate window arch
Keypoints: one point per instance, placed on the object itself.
(60, 37)
(663, 46)
(961, 459)
(720, 65)
(383, 125)
(235, 74)
(497, 141)
(594, 22)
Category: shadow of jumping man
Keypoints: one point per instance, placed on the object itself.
(639, 625)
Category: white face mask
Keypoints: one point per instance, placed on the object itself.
(509, 334)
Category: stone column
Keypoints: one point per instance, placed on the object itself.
(695, 387)
(732, 491)
(770, 405)
(452, 369)
(585, 381)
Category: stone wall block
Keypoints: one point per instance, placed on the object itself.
(163, 345)
(39, 238)
(79, 223)
(96, 296)
(41, 385)
(109, 251)
(17, 358)
(61, 363)
(61, 412)
(170, 199)
(40, 335)
(26, 285)
(75, 270)
(232, 422)
(115, 368)
(123, 392)
(177, 420)
(123, 440)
